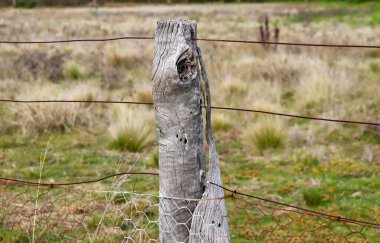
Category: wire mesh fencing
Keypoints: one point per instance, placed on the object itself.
(118, 212)
(42, 213)
(50, 214)
(270, 223)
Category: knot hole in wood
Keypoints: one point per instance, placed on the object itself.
(186, 66)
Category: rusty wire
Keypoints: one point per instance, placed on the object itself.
(212, 107)
(57, 212)
(196, 39)
(304, 210)
(31, 183)
(233, 193)
(268, 223)
(61, 211)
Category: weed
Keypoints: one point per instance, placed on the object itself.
(267, 134)
(121, 198)
(265, 33)
(130, 131)
(73, 71)
(155, 158)
(53, 116)
(221, 122)
(374, 66)
(312, 196)
(26, 4)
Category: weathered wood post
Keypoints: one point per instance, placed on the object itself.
(177, 103)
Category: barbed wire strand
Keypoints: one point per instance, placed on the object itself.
(196, 39)
(212, 107)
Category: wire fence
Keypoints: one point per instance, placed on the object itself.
(41, 212)
(85, 211)
(196, 39)
(212, 107)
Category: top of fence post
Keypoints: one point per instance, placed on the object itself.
(177, 102)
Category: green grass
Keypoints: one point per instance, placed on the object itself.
(329, 175)
(361, 14)
(73, 72)
(312, 196)
(131, 140)
(345, 187)
(267, 135)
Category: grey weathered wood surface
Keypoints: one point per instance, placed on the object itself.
(177, 103)
(210, 222)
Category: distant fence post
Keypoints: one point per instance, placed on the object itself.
(177, 103)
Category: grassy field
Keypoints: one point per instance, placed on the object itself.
(328, 167)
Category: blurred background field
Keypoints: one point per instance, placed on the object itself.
(329, 167)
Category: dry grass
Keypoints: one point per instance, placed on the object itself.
(44, 117)
(311, 81)
(130, 129)
(326, 82)
(266, 134)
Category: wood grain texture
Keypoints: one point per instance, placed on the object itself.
(177, 103)
(210, 222)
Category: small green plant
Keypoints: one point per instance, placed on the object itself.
(73, 72)
(220, 122)
(267, 134)
(155, 158)
(374, 67)
(121, 198)
(94, 222)
(129, 132)
(26, 4)
(13, 236)
(312, 196)
(131, 140)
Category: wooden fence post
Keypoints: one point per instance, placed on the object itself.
(177, 103)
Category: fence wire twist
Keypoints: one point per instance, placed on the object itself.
(54, 212)
(50, 212)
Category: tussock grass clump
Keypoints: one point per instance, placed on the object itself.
(220, 122)
(144, 94)
(44, 117)
(234, 89)
(126, 60)
(312, 196)
(266, 134)
(73, 71)
(130, 130)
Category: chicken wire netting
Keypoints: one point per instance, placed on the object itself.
(30, 213)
